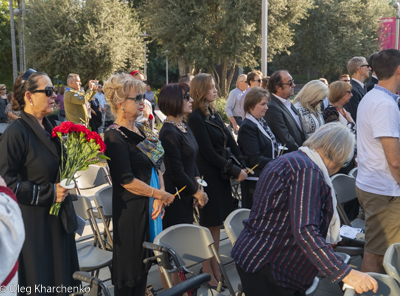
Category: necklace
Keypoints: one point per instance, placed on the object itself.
(135, 129)
(180, 126)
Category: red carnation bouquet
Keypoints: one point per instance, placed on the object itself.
(80, 148)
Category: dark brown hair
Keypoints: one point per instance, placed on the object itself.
(170, 99)
(20, 88)
(275, 80)
(253, 97)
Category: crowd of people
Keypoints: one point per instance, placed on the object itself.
(282, 147)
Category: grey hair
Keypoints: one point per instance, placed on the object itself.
(118, 86)
(354, 63)
(311, 93)
(240, 76)
(335, 140)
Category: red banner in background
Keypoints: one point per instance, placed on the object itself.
(387, 33)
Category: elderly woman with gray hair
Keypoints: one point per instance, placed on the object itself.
(287, 238)
(139, 196)
(308, 102)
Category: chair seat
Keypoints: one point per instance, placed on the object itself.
(92, 258)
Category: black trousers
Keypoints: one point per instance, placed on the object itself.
(262, 283)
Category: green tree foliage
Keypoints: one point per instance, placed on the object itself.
(220, 32)
(93, 38)
(334, 32)
(6, 75)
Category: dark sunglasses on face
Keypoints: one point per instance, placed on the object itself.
(290, 83)
(187, 96)
(259, 80)
(48, 90)
(138, 98)
(366, 65)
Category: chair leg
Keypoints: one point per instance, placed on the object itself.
(222, 270)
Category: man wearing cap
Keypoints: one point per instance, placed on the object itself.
(74, 100)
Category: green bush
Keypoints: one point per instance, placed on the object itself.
(221, 102)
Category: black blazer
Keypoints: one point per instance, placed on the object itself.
(358, 93)
(371, 83)
(283, 125)
(255, 146)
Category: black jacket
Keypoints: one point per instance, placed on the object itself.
(255, 146)
(358, 93)
(283, 125)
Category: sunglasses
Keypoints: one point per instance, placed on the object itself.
(49, 91)
(259, 80)
(3, 88)
(366, 65)
(290, 83)
(187, 96)
(138, 98)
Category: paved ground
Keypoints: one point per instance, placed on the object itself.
(325, 288)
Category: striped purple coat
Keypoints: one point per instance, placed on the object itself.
(288, 225)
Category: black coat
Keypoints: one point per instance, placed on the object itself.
(283, 125)
(371, 83)
(211, 135)
(358, 93)
(29, 164)
(258, 149)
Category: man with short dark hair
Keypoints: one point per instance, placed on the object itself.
(345, 78)
(374, 78)
(282, 117)
(186, 79)
(378, 155)
(358, 69)
(75, 100)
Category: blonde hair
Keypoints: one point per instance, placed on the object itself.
(311, 93)
(2, 85)
(118, 86)
(337, 90)
(199, 87)
(335, 140)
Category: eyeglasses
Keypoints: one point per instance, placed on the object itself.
(348, 91)
(259, 80)
(48, 90)
(243, 81)
(366, 65)
(290, 82)
(187, 96)
(138, 98)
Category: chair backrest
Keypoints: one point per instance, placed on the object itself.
(82, 205)
(94, 176)
(391, 261)
(353, 172)
(387, 286)
(345, 187)
(103, 199)
(190, 242)
(234, 223)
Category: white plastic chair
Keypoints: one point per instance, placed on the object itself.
(94, 176)
(353, 173)
(391, 261)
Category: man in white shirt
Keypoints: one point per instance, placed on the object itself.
(234, 104)
(378, 155)
(101, 98)
(358, 69)
(282, 117)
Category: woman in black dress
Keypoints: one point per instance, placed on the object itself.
(256, 140)
(136, 156)
(181, 149)
(29, 163)
(213, 137)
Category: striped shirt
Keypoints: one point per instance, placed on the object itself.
(288, 225)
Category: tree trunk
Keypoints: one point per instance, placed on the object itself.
(181, 67)
(214, 73)
(14, 50)
(224, 70)
(231, 73)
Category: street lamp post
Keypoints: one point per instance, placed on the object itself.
(264, 35)
(144, 36)
(396, 5)
(13, 48)
(166, 65)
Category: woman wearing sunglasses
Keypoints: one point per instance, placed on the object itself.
(30, 165)
(138, 187)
